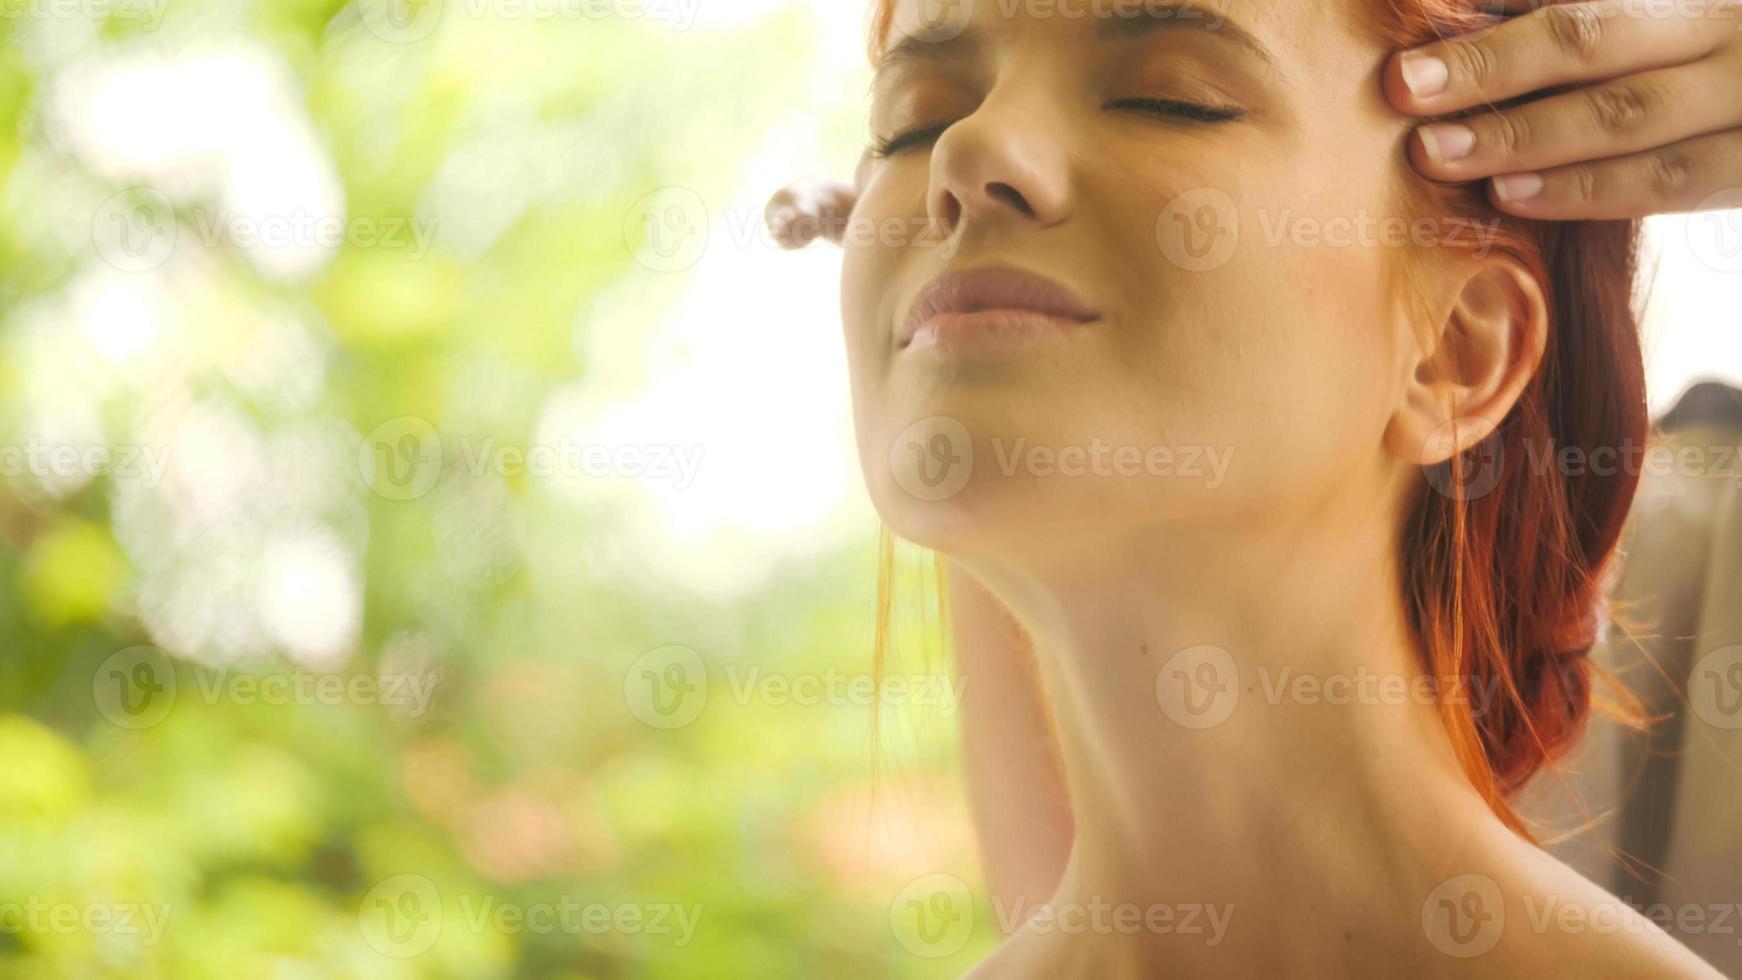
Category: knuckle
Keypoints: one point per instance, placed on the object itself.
(1474, 61)
(1617, 110)
(1576, 28)
(1582, 185)
(1668, 171)
(1511, 133)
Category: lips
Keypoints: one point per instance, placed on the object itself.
(958, 305)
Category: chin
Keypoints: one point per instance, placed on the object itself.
(985, 512)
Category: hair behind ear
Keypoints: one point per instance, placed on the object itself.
(1506, 549)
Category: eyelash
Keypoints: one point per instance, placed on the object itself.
(885, 146)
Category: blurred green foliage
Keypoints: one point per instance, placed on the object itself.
(275, 838)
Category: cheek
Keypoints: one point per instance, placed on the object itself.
(1307, 352)
(886, 223)
(868, 274)
(1261, 328)
(1242, 336)
(870, 292)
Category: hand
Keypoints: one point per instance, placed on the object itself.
(805, 210)
(1655, 126)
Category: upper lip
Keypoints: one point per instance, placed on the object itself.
(993, 288)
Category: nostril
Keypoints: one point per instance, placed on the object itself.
(1011, 196)
(950, 212)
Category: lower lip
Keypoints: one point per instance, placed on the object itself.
(989, 330)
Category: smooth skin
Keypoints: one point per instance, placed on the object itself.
(1650, 121)
(1282, 814)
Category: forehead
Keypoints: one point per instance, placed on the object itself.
(1302, 31)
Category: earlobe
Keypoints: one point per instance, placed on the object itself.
(1474, 365)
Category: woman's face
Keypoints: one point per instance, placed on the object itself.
(1217, 190)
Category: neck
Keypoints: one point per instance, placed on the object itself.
(1243, 728)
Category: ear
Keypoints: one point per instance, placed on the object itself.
(1473, 365)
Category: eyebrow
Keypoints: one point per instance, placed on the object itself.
(1127, 25)
(1141, 22)
(915, 49)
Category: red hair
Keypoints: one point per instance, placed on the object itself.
(1505, 563)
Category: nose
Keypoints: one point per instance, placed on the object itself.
(1003, 163)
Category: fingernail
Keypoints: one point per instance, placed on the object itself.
(1518, 187)
(1424, 74)
(1447, 141)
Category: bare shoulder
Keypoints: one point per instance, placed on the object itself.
(1557, 918)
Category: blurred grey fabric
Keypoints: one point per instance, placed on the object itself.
(1664, 807)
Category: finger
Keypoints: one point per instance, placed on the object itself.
(805, 210)
(1684, 176)
(1632, 114)
(1555, 45)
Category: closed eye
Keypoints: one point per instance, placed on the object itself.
(1177, 109)
(885, 146)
